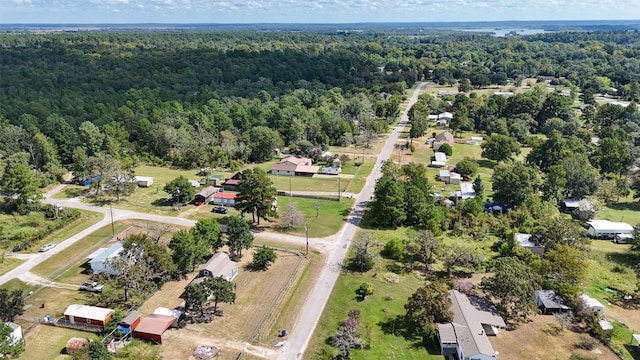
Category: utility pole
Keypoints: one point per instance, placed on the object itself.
(306, 230)
(290, 192)
(318, 208)
(338, 189)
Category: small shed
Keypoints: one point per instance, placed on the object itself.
(605, 229)
(143, 181)
(87, 315)
(224, 198)
(592, 303)
(215, 180)
(16, 332)
(100, 258)
(152, 327)
(75, 345)
(549, 302)
(605, 325)
(129, 322)
(219, 265)
(194, 183)
(205, 195)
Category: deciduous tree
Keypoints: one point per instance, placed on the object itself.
(256, 195)
(208, 231)
(428, 305)
(180, 189)
(512, 184)
(239, 235)
(499, 147)
(362, 253)
(187, 250)
(513, 286)
(263, 257)
(11, 304)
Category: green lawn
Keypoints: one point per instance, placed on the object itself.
(8, 264)
(380, 324)
(48, 342)
(331, 214)
(15, 284)
(627, 210)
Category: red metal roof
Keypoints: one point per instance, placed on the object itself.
(154, 324)
(224, 195)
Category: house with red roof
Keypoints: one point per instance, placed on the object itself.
(295, 166)
(224, 198)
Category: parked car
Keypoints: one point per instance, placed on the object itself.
(91, 286)
(220, 210)
(47, 247)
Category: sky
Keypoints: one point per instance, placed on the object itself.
(309, 11)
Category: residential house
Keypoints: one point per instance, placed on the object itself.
(449, 177)
(205, 195)
(218, 265)
(224, 198)
(524, 240)
(232, 182)
(99, 259)
(549, 302)
(295, 166)
(215, 180)
(442, 138)
(87, 315)
(465, 338)
(605, 229)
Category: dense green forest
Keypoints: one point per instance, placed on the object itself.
(199, 98)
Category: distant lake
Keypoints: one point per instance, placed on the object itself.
(502, 32)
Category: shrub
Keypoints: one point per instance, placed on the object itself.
(364, 290)
(393, 249)
(576, 356)
(446, 148)
(587, 343)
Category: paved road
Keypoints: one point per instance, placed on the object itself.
(335, 246)
(301, 334)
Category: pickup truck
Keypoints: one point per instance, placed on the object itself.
(93, 287)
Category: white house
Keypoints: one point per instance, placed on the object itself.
(592, 303)
(294, 166)
(143, 181)
(466, 191)
(465, 337)
(605, 229)
(16, 332)
(98, 260)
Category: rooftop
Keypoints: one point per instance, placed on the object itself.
(606, 225)
(154, 324)
(88, 312)
(551, 300)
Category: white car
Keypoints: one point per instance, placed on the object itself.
(47, 247)
(93, 287)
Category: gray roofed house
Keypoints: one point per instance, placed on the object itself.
(218, 265)
(466, 336)
(549, 302)
(524, 240)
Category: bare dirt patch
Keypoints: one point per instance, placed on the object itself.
(541, 337)
(260, 295)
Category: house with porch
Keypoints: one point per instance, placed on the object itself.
(295, 166)
(465, 338)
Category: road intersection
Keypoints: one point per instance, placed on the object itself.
(335, 246)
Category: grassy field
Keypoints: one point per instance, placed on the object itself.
(47, 342)
(331, 215)
(379, 322)
(627, 210)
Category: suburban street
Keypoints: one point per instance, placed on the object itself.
(310, 315)
(334, 246)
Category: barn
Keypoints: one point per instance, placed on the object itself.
(152, 327)
(205, 195)
(129, 322)
(87, 315)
